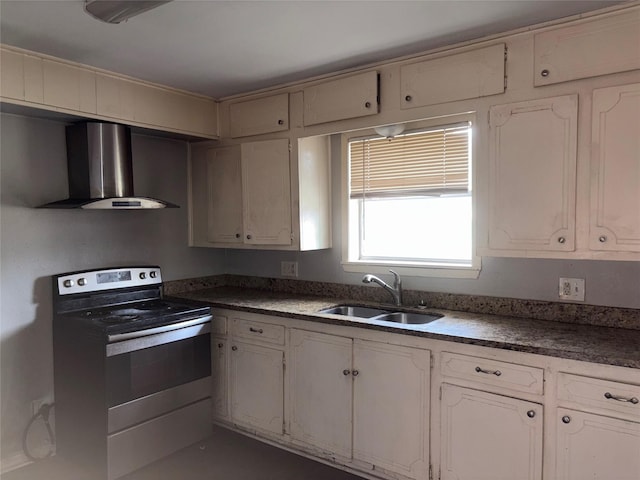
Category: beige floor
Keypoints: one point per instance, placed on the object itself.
(224, 456)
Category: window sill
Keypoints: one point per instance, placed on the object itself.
(415, 270)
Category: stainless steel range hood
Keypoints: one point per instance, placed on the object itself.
(100, 169)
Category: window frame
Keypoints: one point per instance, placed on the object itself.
(350, 240)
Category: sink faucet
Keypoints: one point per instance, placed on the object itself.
(395, 291)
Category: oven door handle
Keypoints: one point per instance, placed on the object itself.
(128, 342)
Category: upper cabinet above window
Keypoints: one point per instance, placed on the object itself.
(595, 47)
(473, 74)
(349, 97)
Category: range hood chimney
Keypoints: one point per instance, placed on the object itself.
(100, 169)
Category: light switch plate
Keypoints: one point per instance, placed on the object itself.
(289, 269)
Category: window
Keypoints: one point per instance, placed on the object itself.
(410, 200)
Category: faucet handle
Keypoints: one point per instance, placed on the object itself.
(397, 281)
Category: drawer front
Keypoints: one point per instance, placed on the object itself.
(258, 331)
(520, 378)
(593, 392)
(218, 325)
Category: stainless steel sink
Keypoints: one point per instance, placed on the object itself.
(408, 318)
(354, 311)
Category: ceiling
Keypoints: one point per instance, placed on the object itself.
(222, 48)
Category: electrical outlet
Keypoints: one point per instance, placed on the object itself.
(289, 269)
(571, 289)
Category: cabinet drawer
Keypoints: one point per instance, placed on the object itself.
(593, 392)
(262, 332)
(218, 325)
(492, 372)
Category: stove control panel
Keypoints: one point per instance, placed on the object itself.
(109, 279)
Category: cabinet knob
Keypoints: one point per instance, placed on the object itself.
(280, 122)
(256, 330)
(237, 235)
(566, 419)
(248, 237)
(407, 98)
(544, 73)
(602, 238)
(234, 348)
(355, 373)
(531, 413)
(561, 239)
(367, 105)
(346, 372)
(220, 345)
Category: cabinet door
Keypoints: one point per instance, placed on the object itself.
(256, 380)
(69, 87)
(453, 77)
(266, 192)
(224, 195)
(615, 187)
(219, 377)
(384, 434)
(594, 47)
(11, 74)
(533, 175)
(263, 115)
(320, 391)
(489, 437)
(350, 97)
(596, 447)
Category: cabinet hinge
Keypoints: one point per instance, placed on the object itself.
(430, 472)
(289, 147)
(505, 67)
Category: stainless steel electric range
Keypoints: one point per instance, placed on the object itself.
(132, 370)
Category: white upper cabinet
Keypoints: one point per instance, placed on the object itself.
(473, 74)
(266, 192)
(263, 115)
(590, 48)
(68, 87)
(615, 169)
(348, 97)
(224, 195)
(533, 175)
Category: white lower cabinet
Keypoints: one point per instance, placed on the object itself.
(489, 437)
(344, 402)
(596, 447)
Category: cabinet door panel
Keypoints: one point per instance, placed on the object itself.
(320, 391)
(597, 447)
(257, 383)
(11, 74)
(615, 187)
(219, 355)
(474, 74)
(587, 49)
(489, 437)
(384, 434)
(266, 192)
(224, 191)
(69, 87)
(350, 97)
(263, 115)
(533, 175)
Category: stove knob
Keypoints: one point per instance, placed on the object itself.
(82, 282)
(68, 283)
(143, 275)
(153, 274)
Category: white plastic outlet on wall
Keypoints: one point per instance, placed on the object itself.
(571, 289)
(289, 269)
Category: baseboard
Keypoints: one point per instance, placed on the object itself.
(13, 462)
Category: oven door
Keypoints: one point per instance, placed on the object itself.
(158, 360)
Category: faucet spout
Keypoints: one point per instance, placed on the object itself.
(395, 290)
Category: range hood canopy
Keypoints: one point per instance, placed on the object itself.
(100, 169)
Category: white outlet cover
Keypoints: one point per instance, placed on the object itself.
(571, 289)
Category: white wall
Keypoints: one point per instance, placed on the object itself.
(37, 243)
(607, 282)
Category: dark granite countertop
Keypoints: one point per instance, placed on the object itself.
(605, 345)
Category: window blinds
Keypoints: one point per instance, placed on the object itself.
(425, 163)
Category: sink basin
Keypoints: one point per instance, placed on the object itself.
(408, 318)
(354, 311)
